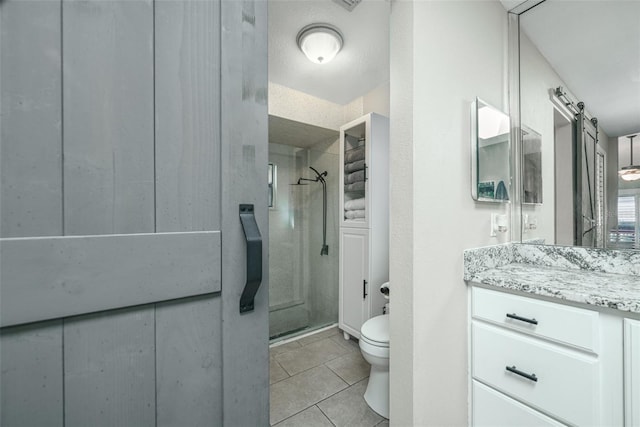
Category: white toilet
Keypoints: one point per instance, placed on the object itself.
(374, 344)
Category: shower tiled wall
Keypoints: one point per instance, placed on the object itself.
(303, 290)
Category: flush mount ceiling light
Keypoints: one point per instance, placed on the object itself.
(320, 42)
(631, 172)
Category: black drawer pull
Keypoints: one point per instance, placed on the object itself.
(516, 371)
(364, 289)
(522, 319)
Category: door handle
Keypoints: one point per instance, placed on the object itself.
(364, 289)
(530, 377)
(522, 319)
(254, 257)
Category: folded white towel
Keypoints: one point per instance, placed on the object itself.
(354, 177)
(354, 154)
(359, 214)
(354, 205)
(354, 166)
(356, 186)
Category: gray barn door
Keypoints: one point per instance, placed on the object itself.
(130, 133)
(588, 209)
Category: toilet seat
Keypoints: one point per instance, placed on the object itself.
(373, 349)
(375, 331)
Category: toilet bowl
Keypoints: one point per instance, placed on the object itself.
(374, 344)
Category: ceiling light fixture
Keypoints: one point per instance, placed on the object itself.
(631, 172)
(320, 42)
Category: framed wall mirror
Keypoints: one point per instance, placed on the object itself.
(574, 79)
(490, 147)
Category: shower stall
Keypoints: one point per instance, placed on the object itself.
(303, 234)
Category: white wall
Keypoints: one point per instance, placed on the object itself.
(304, 108)
(443, 55)
(401, 227)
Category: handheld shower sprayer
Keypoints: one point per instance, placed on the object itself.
(320, 178)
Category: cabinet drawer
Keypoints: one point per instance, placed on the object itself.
(568, 325)
(566, 382)
(493, 409)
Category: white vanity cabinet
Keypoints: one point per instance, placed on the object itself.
(535, 362)
(364, 223)
(632, 372)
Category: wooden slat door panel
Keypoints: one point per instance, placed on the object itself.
(189, 362)
(31, 384)
(244, 154)
(109, 369)
(30, 124)
(85, 274)
(107, 69)
(31, 391)
(187, 88)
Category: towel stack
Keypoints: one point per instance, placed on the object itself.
(354, 169)
(354, 209)
(354, 180)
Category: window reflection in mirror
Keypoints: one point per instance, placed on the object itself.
(490, 153)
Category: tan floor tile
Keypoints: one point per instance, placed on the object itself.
(276, 373)
(309, 356)
(350, 344)
(292, 395)
(351, 367)
(349, 409)
(319, 336)
(283, 348)
(312, 417)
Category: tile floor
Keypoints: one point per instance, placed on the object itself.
(319, 380)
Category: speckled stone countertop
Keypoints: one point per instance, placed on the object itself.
(605, 278)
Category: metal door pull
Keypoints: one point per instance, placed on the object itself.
(522, 319)
(254, 257)
(531, 377)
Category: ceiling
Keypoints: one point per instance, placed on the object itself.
(362, 65)
(290, 132)
(595, 48)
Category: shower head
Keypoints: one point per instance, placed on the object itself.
(299, 182)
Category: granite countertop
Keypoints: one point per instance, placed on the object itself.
(575, 275)
(618, 291)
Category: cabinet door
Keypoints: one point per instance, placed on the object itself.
(355, 156)
(632, 372)
(492, 408)
(354, 278)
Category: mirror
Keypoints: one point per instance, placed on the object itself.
(578, 83)
(531, 166)
(490, 170)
